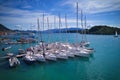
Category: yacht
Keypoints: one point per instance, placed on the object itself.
(13, 61)
(50, 56)
(61, 55)
(39, 57)
(28, 58)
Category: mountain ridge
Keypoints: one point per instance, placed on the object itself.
(99, 29)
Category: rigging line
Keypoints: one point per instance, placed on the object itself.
(77, 21)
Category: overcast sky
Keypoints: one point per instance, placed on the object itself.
(23, 14)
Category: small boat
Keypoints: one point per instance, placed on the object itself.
(10, 54)
(3, 49)
(116, 34)
(21, 51)
(13, 61)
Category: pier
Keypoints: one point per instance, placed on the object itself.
(17, 56)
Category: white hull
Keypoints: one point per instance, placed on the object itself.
(61, 55)
(70, 54)
(13, 61)
(39, 57)
(50, 56)
(29, 57)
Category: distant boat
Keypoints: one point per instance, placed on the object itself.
(3, 49)
(116, 34)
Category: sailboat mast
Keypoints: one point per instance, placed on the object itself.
(48, 29)
(54, 22)
(42, 41)
(77, 21)
(43, 21)
(85, 28)
(55, 25)
(66, 26)
(39, 29)
(59, 26)
(82, 23)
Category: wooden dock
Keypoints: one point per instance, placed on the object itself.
(18, 56)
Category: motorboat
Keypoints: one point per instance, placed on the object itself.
(13, 62)
(21, 51)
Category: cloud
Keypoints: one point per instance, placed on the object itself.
(27, 7)
(95, 6)
(24, 17)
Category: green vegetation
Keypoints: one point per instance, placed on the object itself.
(104, 30)
(101, 30)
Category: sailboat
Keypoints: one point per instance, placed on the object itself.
(84, 41)
(68, 52)
(116, 34)
(37, 54)
(48, 53)
(80, 51)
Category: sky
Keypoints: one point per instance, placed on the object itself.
(23, 14)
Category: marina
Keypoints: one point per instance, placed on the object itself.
(93, 64)
(59, 40)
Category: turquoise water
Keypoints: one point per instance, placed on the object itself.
(103, 65)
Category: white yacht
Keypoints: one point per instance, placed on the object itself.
(39, 57)
(61, 55)
(50, 56)
(28, 58)
(13, 61)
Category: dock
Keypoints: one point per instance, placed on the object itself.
(17, 56)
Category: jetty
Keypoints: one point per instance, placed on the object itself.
(17, 56)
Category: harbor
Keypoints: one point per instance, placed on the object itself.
(55, 50)
(59, 40)
(93, 64)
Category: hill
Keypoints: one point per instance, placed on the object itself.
(3, 28)
(101, 29)
(104, 30)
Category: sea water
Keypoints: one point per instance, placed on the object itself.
(104, 64)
